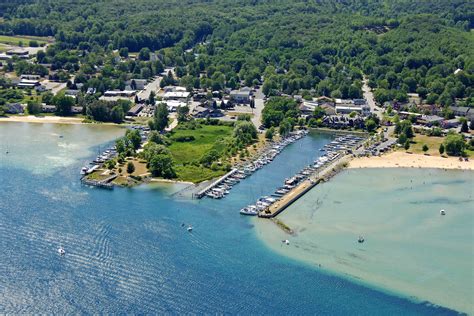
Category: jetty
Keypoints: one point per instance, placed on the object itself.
(338, 152)
(303, 188)
(215, 184)
(104, 183)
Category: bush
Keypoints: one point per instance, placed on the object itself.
(183, 139)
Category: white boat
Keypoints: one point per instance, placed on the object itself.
(249, 210)
(361, 239)
(61, 251)
(286, 242)
(84, 170)
(442, 212)
(190, 228)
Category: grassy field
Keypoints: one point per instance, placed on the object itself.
(432, 142)
(206, 138)
(15, 40)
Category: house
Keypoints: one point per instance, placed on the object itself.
(135, 110)
(430, 120)
(19, 52)
(177, 95)
(120, 93)
(5, 57)
(30, 77)
(14, 108)
(460, 110)
(72, 93)
(40, 88)
(91, 90)
(77, 109)
(200, 112)
(173, 105)
(137, 84)
(241, 96)
(25, 83)
(359, 106)
(452, 123)
(48, 108)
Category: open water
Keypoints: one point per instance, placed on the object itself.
(127, 251)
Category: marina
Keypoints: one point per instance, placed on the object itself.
(220, 188)
(295, 187)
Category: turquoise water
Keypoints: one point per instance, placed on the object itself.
(409, 247)
(126, 249)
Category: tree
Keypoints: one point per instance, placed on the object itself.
(155, 137)
(132, 137)
(471, 125)
(464, 127)
(63, 104)
(319, 112)
(33, 107)
(183, 112)
(284, 128)
(117, 115)
(407, 145)
(162, 166)
(123, 52)
(151, 98)
(425, 148)
(454, 144)
(130, 167)
(370, 125)
(441, 149)
(47, 97)
(144, 54)
(269, 133)
(160, 120)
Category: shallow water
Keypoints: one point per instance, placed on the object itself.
(126, 249)
(409, 247)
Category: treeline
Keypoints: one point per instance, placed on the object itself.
(293, 47)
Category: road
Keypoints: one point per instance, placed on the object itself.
(259, 104)
(369, 97)
(152, 86)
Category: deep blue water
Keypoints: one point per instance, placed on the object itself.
(127, 252)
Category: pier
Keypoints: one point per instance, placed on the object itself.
(214, 184)
(303, 188)
(104, 184)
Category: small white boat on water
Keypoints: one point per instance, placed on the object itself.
(442, 212)
(361, 239)
(286, 242)
(190, 228)
(249, 210)
(61, 251)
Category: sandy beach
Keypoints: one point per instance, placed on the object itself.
(405, 160)
(42, 119)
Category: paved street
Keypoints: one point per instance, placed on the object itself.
(152, 86)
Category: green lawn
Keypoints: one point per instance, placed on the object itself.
(206, 138)
(432, 142)
(15, 40)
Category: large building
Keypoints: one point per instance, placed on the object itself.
(358, 106)
(241, 96)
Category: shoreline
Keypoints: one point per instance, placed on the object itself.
(55, 120)
(399, 159)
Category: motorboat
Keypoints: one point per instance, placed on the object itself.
(190, 228)
(61, 251)
(361, 239)
(442, 212)
(249, 210)
(84, 170)
(286, 242)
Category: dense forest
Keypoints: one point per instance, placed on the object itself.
(312, 48)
